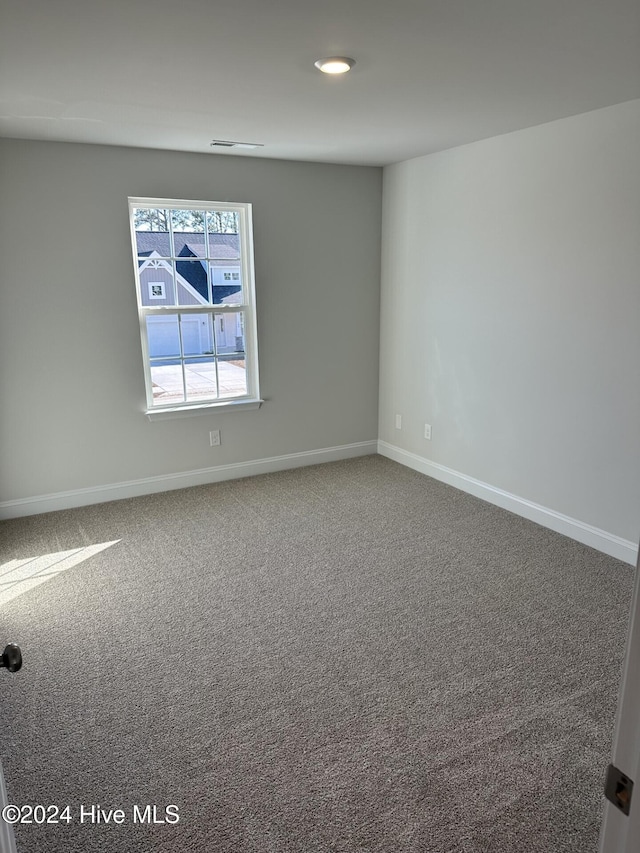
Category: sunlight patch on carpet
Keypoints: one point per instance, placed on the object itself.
(18, 576)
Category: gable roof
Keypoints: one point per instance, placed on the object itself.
(221, 246)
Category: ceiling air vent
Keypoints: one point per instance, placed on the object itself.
(226, 143)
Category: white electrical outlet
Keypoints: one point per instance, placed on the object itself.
(398, 421)
(214, 437)
(427, 431)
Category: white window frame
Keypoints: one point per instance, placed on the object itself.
(250, 400)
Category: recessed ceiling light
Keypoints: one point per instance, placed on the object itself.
(335, 64)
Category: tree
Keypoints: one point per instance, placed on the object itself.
(222, 222)
(151, 219)
(184, 219)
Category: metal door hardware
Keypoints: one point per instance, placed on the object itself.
(11, 657)
(618, 789)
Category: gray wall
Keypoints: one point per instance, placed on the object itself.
(510, 308)
(71, 378)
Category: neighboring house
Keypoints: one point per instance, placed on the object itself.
(188, 284)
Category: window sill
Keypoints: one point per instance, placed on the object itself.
(203, 409)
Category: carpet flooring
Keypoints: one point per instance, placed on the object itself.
(349, 657)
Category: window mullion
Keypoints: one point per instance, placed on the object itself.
(215, 353)
(163, 310)
(182, 356)
(207, 253)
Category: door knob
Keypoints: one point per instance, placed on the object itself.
(11, 657)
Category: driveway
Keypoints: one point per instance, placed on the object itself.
(201, 381)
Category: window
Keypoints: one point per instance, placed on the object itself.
(196, 302)
(156, 290)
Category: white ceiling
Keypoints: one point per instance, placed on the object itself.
(429, 74)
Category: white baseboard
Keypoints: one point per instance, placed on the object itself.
(167, 482)
(603, 541)
(608, 543)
